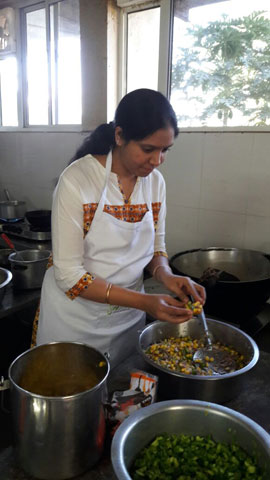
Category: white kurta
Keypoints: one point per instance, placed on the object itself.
(114, 250)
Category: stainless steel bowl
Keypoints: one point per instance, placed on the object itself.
(5, 279)
(29, 268)
(189, 417)
(218, 388)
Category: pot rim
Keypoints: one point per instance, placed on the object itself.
(11, 203)
(227, 249)
(46, 256)
(64, 397)
(8, 279)
(121, 434)
(201, 378)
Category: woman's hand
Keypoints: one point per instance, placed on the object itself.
(184, 287)
(166, 308)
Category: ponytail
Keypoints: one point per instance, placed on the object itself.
(99, 142)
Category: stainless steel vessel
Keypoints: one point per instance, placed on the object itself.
(10, 209)
(217, 388)
(58, 437)
(29, 268)
(189, 417)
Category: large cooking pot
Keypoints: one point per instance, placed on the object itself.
(215, 388)
(243, 286)
(58, 435)
(28, 268)
(187, 417)
(11, 209)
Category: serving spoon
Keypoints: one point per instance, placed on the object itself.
(219, 361)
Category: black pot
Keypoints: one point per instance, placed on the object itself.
(241, 285)
(39, 218)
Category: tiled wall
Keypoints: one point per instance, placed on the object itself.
(218, 191)
(218, 184)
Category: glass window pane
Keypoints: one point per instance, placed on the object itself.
(37, 67)
(66, 64)
(8, 91)
(221, 63)
(143, 49)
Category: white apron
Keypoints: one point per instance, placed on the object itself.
(116, 251)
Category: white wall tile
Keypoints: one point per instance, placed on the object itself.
(257, 233)
(181, 229)
(226, 167)
(182, 170)
(258, 194)
(220, 229)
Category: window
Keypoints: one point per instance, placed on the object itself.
(143, 49)
(221, 63)
(49, 71)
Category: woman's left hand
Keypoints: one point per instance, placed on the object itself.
(184, 287)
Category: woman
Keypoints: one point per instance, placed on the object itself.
(108, 225)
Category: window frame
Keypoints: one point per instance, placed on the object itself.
(165, 60)
(21, 8)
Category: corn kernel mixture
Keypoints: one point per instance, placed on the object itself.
(176, 354)
(196, 307)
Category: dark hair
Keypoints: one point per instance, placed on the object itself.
(140, 113)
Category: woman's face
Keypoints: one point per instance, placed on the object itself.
(140, 157)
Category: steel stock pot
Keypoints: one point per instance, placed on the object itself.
(57, 394)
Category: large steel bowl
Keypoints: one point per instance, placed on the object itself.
(189, 417)
(217, 388)
(5, 279)
(245, 297)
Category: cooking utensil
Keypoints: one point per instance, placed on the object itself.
(29, 271)
(219, 361)
(215, 388)
(188, 417)
(5, 279)
(10, 209)
(11, 245)
(246, 297)
(58, 436)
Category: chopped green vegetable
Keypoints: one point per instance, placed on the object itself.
(186, 457)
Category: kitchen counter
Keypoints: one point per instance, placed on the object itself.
(253, 402)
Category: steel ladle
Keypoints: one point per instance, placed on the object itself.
(222, 362)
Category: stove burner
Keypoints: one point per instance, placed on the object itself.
(11, 220)
(26, 231)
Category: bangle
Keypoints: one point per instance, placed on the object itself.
(108, 292)
(157, 267)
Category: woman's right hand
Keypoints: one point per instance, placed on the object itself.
(166, 308)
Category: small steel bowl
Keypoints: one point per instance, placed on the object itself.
(189, 417)
(216, 388)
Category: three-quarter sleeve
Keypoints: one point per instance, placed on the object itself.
(67, 237)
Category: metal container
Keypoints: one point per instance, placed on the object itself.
(5, 279)
(58, 437)
(10, 209)
(245, 297)
(29, 272)
(189, 417)
(4, 254)
(216, 388)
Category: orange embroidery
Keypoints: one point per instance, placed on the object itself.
(127, 213)
(84, 281)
